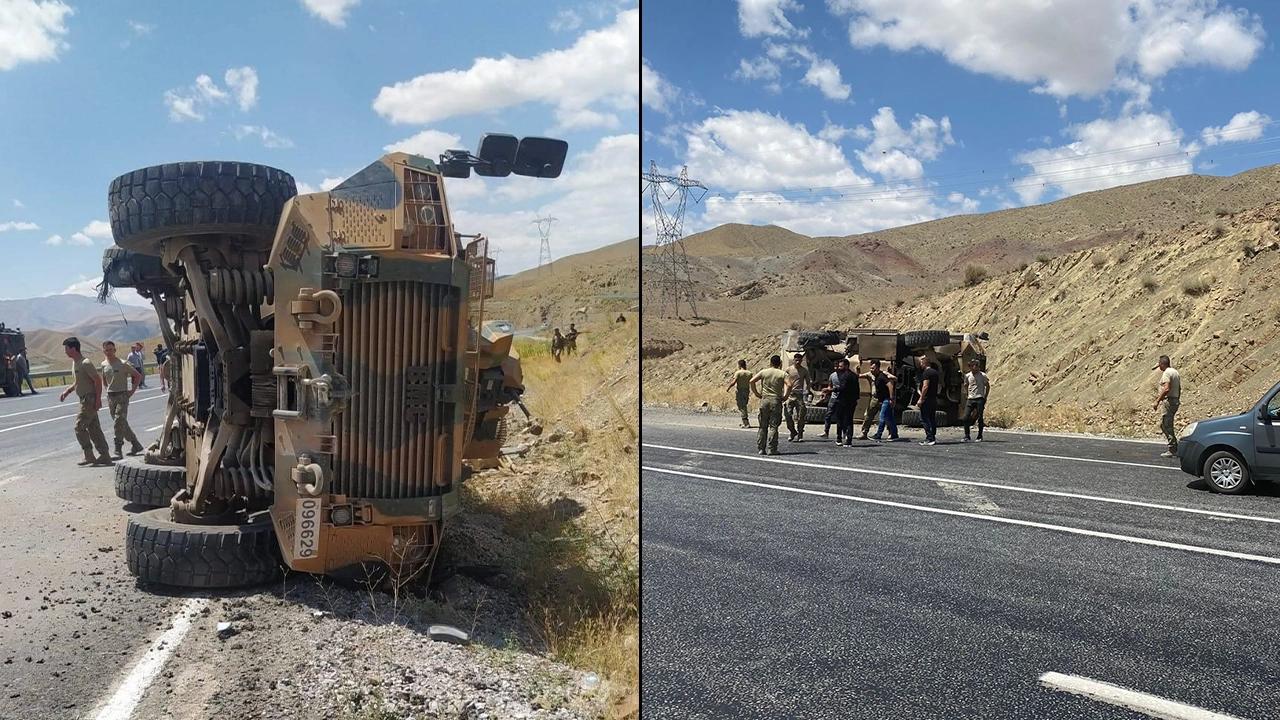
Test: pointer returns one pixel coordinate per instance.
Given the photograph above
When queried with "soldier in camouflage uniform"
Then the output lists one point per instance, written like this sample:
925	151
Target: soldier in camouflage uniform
776	387
795	410
742	381
122	380
87	385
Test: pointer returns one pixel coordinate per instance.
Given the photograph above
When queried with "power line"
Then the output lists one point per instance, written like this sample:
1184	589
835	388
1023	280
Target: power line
671	270
544	249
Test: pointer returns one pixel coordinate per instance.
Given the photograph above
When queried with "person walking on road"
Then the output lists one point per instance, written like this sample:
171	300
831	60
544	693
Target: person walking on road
976	390
122	381
795	410
881	384
844	398
23	366
1170	392
742	381
162	355
87	385
930	378
776	386
138	360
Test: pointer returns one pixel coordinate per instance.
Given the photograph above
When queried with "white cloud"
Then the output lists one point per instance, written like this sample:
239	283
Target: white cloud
824	75
428	143
896	153
7	226
76	239
584	118
821	73
330	183
827	216
333	12
18	203
97	229
88	286
140	28
1068	47
655	90
243	81
1242	126
767	17
602	66
567	20
967	204
1135	149
761	68
594	201
269	137
832	132
32	31
190	103
751	150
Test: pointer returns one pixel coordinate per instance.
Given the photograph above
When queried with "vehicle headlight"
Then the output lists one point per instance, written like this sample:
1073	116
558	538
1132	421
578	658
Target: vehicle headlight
1186	431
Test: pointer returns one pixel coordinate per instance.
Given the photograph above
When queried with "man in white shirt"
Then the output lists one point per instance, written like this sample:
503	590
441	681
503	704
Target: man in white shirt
976	390
136	359
1170	389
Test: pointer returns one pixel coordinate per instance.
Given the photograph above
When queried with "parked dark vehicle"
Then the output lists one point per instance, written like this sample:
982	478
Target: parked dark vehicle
12	342
1234	452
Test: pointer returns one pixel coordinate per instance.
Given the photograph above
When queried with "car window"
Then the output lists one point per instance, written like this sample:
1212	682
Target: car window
1273	407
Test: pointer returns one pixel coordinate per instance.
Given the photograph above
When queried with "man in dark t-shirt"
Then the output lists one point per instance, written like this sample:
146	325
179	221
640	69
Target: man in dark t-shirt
881	393
844	398
930	378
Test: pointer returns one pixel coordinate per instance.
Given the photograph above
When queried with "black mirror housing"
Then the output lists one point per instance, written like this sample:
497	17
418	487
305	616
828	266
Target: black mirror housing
540	157
497	154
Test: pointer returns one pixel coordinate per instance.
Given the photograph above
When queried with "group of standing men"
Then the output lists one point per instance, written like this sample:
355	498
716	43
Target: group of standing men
566	344
120	379
783	393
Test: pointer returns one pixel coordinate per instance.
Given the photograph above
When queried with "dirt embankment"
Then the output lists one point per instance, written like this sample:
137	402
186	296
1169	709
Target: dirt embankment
1074	337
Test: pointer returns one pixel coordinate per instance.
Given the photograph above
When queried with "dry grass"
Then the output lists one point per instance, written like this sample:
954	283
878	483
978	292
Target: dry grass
1149	282
581	567
1197	286
1043	258
1217	230
974	274
1099	261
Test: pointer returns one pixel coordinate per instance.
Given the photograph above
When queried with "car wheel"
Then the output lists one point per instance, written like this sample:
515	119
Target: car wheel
1225	472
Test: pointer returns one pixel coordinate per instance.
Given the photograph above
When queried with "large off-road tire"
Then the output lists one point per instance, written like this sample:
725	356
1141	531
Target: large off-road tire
1224	472
911	418
815	414
12	387
922	339
163	552
197	198
152	485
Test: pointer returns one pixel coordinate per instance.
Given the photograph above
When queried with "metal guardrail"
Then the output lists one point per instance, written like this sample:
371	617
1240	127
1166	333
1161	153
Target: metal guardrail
50	378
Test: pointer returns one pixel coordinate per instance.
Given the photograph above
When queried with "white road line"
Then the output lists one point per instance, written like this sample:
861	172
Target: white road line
153	429
989	518
1079	459
64	417
1012	488
54	407
129	692
1152	705
1072	436
11	478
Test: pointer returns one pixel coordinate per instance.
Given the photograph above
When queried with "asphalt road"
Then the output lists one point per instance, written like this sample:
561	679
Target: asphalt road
70	614
900	581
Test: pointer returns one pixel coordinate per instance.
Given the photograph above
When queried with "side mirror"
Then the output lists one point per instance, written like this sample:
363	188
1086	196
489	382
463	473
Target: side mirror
540	157
497	153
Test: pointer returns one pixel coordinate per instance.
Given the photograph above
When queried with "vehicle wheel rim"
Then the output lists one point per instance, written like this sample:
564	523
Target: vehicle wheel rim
1226	473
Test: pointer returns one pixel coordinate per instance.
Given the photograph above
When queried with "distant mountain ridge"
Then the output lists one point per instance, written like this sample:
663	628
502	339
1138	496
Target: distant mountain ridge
80	315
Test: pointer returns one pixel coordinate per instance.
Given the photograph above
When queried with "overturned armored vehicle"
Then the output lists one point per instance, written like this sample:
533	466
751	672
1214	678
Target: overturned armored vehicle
896	351
329	371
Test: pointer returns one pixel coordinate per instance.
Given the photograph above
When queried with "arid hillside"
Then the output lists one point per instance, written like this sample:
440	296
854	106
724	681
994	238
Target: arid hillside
604	280
1191	272
753	280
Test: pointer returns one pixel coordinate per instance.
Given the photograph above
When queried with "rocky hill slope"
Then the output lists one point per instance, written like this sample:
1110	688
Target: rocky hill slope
1186	267
605	280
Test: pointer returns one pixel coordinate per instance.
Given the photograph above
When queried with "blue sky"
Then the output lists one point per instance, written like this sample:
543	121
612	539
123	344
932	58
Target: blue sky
320	88
832	117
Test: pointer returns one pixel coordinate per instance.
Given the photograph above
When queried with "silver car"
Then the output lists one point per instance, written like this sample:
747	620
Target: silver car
1233	452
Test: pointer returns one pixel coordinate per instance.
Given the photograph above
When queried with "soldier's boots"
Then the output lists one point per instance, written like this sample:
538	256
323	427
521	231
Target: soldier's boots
91	460
118	454
136	449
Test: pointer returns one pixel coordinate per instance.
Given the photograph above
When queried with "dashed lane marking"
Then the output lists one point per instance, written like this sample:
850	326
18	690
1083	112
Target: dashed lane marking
1147	704
975	516
975	483
128	693
64	417
153	429
1092	460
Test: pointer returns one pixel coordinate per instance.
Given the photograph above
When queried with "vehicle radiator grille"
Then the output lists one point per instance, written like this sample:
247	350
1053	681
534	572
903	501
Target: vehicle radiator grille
396	348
